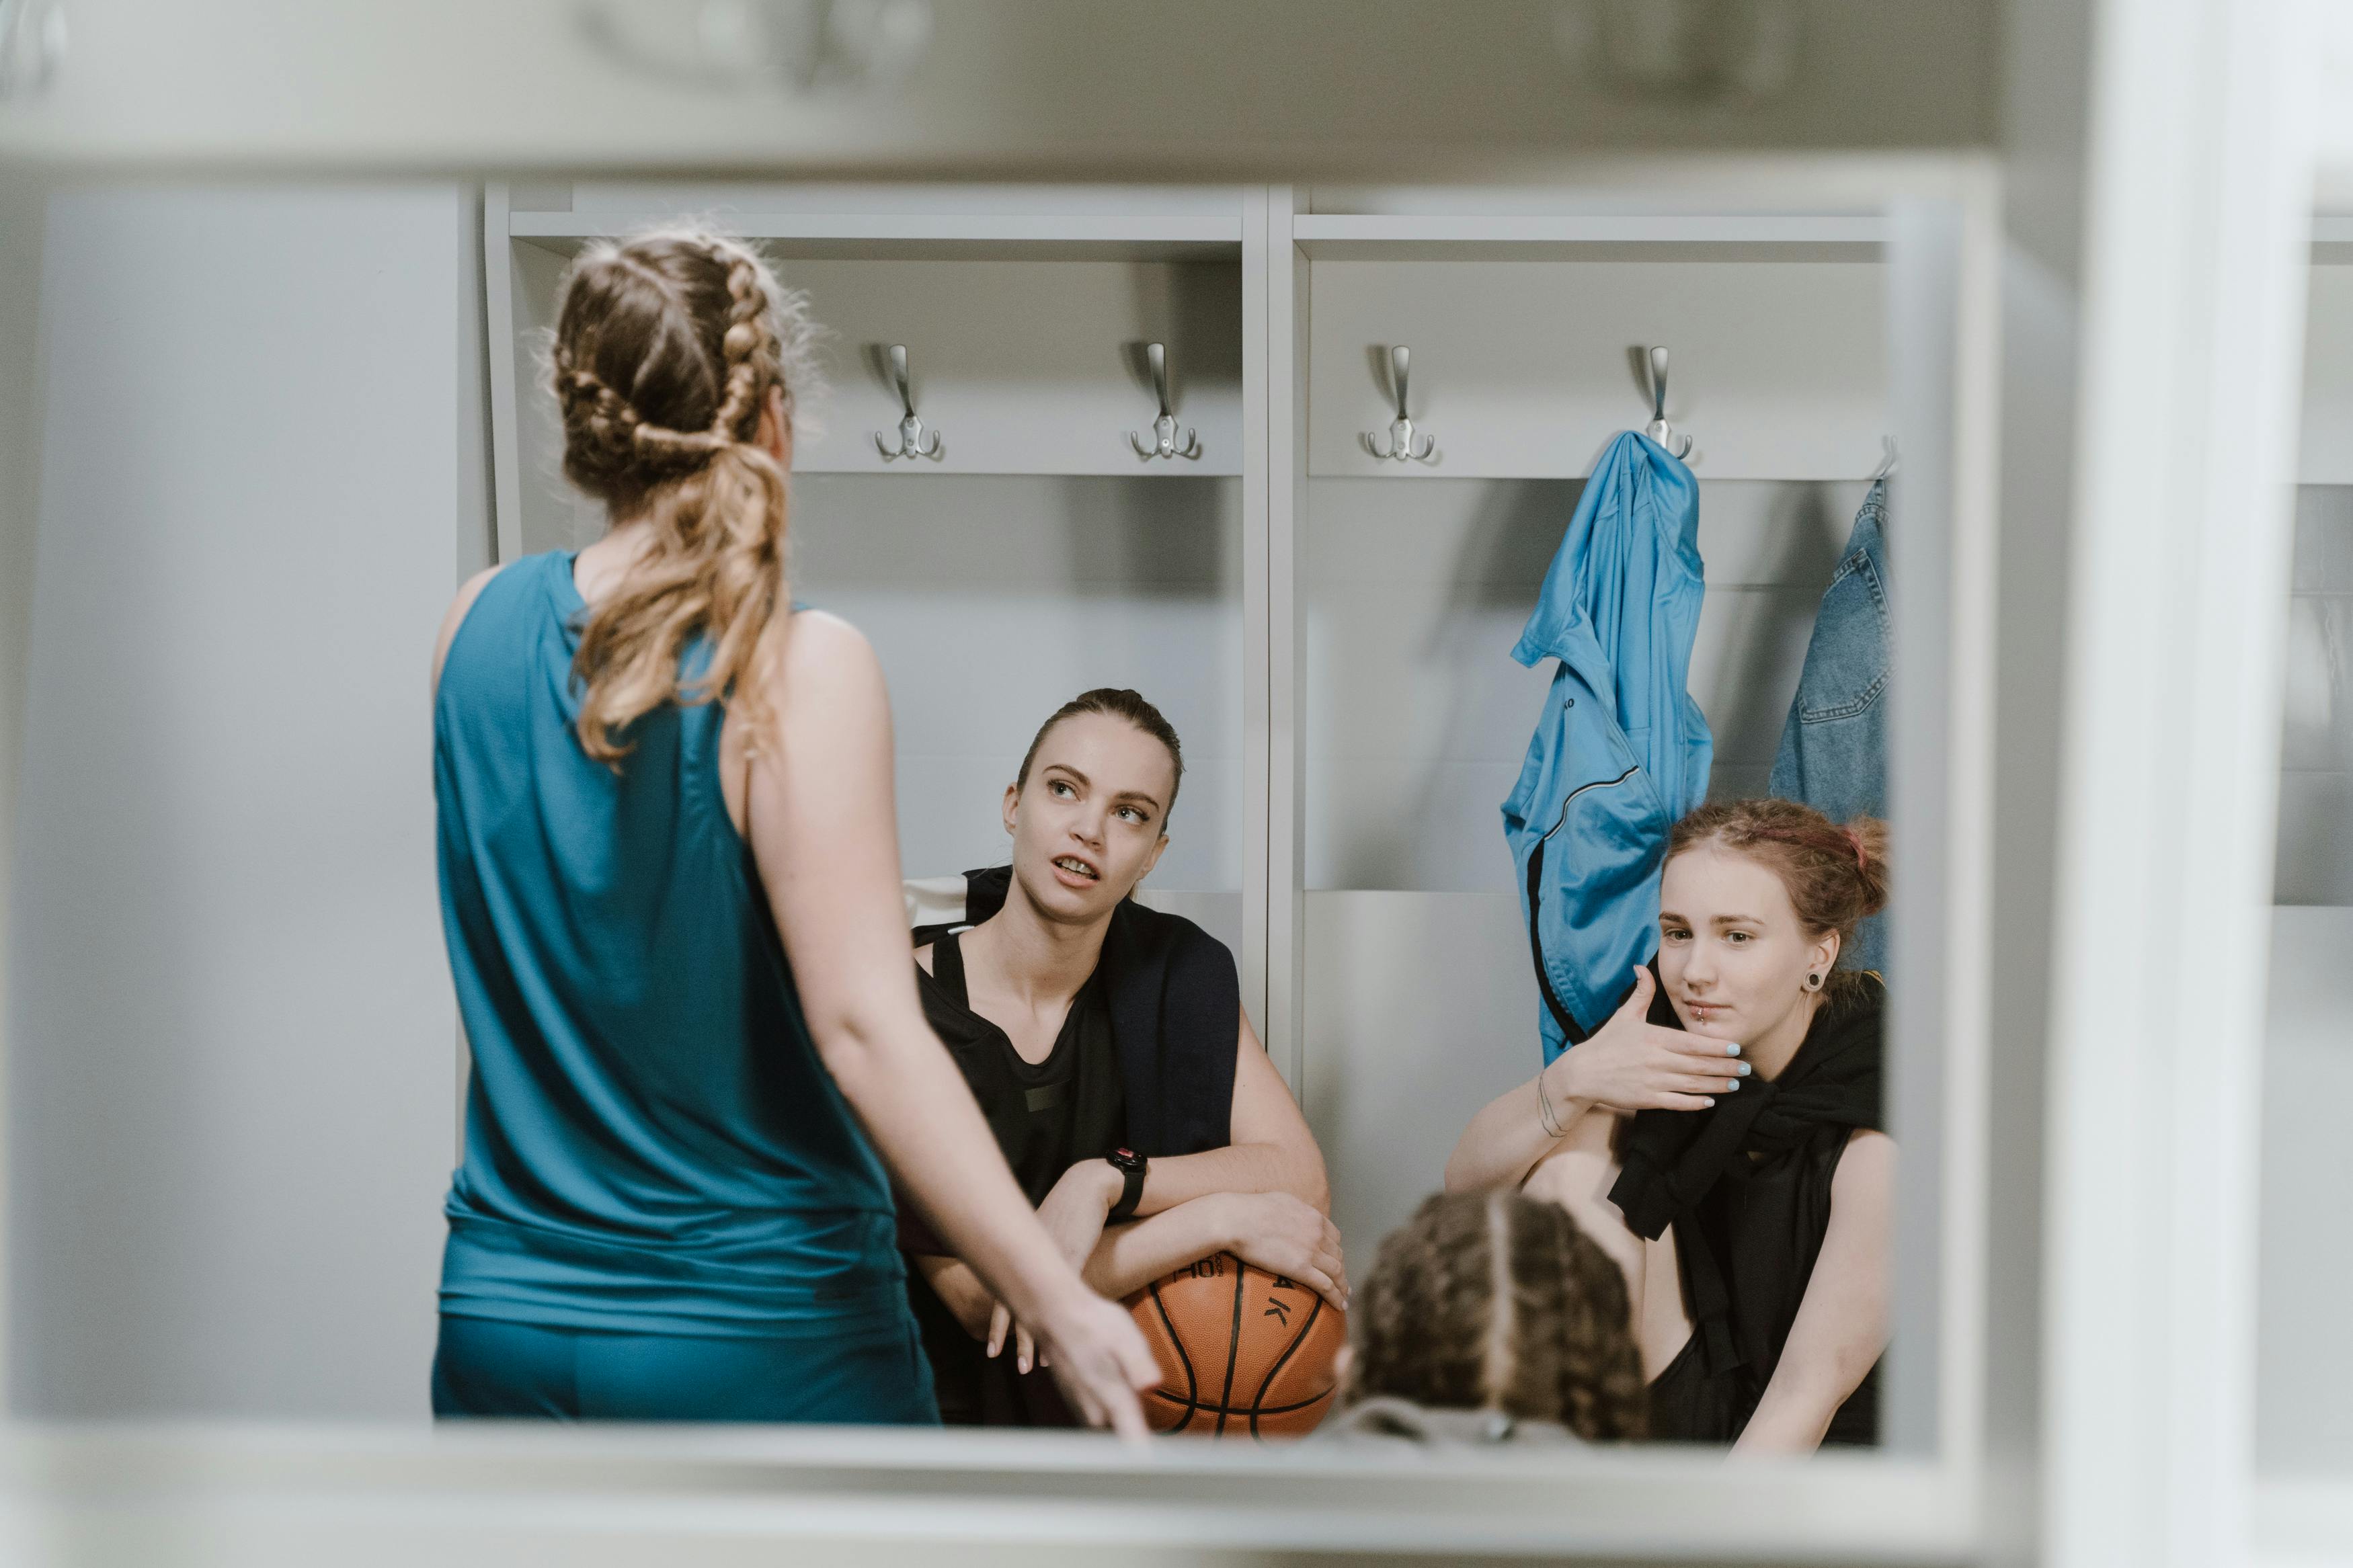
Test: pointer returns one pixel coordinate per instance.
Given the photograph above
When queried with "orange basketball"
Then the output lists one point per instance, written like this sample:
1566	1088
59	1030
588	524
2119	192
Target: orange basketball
1241	1351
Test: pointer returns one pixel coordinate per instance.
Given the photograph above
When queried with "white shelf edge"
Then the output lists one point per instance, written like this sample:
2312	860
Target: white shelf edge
1157	473
1401	473
944	228
1649	228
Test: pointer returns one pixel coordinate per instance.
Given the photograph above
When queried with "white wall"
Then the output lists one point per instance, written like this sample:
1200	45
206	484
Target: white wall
230	1016
992	600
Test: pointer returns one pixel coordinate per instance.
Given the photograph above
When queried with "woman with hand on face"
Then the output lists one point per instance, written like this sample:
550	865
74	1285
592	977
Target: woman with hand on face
669	878
1769	1219
1753	1219
1107	1047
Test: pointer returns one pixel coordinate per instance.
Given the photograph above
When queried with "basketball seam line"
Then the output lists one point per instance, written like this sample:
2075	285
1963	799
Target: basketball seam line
1315	1311
1233	1344
1192	1384
1268	1410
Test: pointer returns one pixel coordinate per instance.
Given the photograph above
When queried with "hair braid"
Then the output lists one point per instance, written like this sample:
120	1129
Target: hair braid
1469	1267
748	346
1598	1375
696	330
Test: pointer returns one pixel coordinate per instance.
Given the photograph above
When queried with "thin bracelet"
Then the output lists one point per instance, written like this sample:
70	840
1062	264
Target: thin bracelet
1551	1123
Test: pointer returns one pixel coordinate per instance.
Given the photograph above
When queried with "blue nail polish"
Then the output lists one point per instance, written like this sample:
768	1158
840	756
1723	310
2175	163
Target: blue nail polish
1730	1084
1732	1050
1745	1070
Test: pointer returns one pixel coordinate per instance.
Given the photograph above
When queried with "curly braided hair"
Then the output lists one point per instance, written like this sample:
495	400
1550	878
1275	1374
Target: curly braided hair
667	349
1497	1301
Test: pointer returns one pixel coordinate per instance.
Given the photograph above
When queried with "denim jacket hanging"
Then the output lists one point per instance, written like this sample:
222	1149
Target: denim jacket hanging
1620	750
1834	752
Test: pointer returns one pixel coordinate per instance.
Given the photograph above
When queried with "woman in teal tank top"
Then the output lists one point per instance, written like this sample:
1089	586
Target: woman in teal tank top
671	888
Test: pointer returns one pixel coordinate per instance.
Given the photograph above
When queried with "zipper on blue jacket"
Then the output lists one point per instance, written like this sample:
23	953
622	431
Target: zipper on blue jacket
1576	1036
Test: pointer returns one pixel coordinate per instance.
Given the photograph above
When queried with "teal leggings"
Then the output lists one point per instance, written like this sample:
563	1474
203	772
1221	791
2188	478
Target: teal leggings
870	1374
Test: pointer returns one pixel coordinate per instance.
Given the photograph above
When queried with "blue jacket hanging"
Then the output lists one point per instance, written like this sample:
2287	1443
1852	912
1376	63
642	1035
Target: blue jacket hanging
1621	751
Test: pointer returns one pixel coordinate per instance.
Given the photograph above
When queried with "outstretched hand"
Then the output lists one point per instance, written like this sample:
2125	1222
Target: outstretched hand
1101	1363
1630	1063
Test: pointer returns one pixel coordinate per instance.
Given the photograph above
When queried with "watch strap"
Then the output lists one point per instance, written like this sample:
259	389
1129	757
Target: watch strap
1131	1171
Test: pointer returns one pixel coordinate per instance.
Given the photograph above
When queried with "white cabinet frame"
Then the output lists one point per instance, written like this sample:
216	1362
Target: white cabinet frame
2188	383
1916	1502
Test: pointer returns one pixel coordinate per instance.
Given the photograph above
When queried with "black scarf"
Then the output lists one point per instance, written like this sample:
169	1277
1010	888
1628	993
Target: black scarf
1673	1160
1175	1018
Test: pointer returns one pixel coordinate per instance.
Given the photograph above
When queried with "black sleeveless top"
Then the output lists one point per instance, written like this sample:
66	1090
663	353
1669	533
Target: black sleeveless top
1747	1187
1047	1117
1146	1059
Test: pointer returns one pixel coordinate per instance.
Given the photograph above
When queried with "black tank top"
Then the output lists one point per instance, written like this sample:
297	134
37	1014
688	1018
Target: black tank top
1747	1187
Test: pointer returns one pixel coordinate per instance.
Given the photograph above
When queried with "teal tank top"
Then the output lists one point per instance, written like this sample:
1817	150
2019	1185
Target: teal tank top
652	1143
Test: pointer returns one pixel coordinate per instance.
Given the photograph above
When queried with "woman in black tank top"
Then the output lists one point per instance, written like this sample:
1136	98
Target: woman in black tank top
1088	1026
1751	1211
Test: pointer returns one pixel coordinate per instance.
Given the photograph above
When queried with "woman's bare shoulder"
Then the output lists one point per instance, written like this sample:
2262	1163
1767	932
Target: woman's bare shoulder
1868	1162
456	616
822	653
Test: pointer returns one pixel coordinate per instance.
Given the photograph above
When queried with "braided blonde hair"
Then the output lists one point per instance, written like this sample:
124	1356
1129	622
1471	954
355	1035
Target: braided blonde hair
666	348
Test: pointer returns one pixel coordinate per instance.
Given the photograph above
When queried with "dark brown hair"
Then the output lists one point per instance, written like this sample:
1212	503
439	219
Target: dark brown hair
1496	1302
1835	876
665	350
1120	702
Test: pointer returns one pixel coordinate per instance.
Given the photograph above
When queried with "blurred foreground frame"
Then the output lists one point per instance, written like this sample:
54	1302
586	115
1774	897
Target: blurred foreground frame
1004	89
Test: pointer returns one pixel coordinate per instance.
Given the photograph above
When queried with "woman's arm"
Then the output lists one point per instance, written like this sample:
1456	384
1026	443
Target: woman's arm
1510	1140
1628	1064
1273	1231
1272	1154
958	1289
1842	1324
823	828
1271	1150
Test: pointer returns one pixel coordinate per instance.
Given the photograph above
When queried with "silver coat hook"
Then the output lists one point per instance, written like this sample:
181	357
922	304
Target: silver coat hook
1659	430
1403	443
1888	460
1163	442
911	433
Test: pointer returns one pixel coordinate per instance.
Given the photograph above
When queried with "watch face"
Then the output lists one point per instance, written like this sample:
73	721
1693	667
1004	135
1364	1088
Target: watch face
1125	1159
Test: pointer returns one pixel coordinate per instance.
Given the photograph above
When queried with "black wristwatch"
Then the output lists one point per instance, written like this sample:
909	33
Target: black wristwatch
1131	1166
